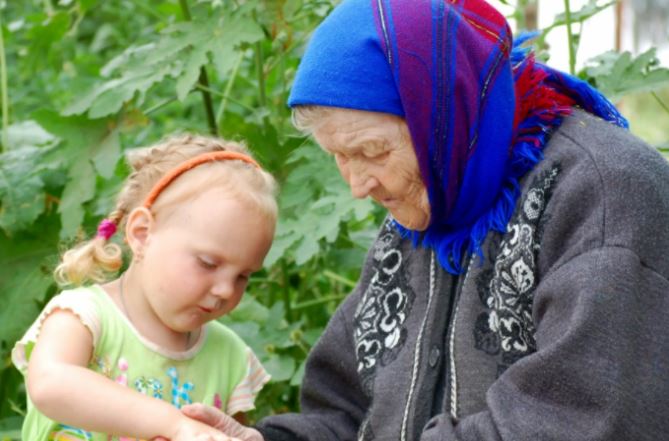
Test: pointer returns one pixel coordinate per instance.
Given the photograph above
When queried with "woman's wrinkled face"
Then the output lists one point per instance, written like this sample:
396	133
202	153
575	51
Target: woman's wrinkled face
376	158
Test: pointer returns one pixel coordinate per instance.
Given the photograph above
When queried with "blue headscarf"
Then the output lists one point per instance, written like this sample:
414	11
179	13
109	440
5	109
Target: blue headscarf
479	110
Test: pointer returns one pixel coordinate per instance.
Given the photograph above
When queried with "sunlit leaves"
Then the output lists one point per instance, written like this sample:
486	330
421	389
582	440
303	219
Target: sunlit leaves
21	189
21	183
315	204
179	53
84	143
618	74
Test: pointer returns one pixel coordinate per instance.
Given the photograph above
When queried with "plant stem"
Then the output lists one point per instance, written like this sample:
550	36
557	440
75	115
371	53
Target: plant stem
203	81
261	75
285	291
319	301
208	102
160	105
214	92
338	278
660	102
228	88
570	37
185	10
4	95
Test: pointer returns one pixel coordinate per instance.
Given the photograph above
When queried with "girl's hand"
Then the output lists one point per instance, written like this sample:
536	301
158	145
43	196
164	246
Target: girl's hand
219	420
187	429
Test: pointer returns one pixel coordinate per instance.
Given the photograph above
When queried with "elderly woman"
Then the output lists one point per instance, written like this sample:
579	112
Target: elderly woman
518	288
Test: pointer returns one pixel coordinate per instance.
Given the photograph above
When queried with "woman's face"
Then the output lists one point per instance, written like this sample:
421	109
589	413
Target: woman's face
376	158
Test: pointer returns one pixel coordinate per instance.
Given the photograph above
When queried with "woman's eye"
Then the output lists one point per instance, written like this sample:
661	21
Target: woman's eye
376	155
341	159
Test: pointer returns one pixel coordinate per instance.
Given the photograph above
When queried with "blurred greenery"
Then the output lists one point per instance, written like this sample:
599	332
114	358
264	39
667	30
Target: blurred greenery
83	81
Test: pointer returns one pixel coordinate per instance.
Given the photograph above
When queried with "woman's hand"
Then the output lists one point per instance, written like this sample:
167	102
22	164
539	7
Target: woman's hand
222	422
188	429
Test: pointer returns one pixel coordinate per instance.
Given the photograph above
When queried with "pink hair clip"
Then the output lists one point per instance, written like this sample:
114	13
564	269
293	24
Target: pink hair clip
106	229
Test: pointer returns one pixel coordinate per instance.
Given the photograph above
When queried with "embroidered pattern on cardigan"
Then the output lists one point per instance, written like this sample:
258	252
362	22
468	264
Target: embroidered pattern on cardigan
383	308
506	328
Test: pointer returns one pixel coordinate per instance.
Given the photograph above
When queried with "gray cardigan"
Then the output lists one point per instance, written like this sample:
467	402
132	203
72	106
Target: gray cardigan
561	333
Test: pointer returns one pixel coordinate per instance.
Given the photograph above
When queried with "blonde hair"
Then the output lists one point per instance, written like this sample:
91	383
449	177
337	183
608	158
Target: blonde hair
97	260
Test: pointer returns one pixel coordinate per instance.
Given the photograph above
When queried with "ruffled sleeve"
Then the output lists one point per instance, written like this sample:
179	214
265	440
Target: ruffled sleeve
80	302
244	394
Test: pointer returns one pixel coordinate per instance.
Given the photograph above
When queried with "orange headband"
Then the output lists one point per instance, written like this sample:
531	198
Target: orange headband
192	163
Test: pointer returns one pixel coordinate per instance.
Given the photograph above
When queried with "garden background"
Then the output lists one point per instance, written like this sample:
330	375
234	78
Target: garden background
82	81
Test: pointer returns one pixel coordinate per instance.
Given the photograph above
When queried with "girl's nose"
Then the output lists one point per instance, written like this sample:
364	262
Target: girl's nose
223	288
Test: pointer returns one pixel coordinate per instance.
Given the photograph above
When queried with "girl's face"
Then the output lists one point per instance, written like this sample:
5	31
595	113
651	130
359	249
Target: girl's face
194	264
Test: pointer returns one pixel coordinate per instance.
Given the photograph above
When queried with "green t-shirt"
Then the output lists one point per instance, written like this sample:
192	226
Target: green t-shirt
219	369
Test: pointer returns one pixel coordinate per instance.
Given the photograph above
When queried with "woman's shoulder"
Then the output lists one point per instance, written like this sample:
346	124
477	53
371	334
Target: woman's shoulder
586	143
602	187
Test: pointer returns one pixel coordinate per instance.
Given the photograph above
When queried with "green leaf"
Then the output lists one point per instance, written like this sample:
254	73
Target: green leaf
617	74
249	309
106	155
306	249
79	189
21	188
281	368
228	37
24	279
587	11
296	380
196	60
10	428
83	138
28	134
283	240
180	52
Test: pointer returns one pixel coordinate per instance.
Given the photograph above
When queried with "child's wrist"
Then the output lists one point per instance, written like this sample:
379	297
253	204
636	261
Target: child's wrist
175	420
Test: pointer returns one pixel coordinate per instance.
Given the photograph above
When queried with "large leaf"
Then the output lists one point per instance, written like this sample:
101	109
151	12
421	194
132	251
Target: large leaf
79	189
85	142
618	74
24	278
315	203
180	53
21	188
21	169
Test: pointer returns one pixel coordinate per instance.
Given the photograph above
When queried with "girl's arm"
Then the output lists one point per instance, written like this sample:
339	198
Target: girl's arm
62	387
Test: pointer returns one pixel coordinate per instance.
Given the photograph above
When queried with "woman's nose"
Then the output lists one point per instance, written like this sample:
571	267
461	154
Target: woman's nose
361	185
359	180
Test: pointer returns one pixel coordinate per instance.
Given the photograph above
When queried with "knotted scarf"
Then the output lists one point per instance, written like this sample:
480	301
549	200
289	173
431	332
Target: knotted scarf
479	108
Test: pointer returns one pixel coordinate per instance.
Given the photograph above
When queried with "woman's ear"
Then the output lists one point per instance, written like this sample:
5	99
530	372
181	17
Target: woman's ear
137	229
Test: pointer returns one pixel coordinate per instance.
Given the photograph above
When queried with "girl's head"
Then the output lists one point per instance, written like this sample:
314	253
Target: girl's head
223	185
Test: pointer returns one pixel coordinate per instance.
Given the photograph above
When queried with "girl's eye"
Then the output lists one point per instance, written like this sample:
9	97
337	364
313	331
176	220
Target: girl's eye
207	264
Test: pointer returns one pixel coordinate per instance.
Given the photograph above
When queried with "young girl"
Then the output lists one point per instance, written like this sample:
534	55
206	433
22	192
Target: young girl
117	360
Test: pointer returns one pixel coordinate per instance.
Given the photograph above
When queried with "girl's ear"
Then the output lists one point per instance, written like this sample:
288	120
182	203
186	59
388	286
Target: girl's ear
137	229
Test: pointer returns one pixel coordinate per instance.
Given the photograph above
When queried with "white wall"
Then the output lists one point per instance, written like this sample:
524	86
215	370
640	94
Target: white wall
597	35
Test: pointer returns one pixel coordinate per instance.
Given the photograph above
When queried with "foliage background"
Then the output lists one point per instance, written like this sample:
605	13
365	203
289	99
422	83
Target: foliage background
82	81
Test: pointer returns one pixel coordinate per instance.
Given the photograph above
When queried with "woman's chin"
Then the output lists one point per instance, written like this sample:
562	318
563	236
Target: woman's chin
416	221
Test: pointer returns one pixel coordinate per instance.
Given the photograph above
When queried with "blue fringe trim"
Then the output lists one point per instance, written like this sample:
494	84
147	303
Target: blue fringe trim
452	247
